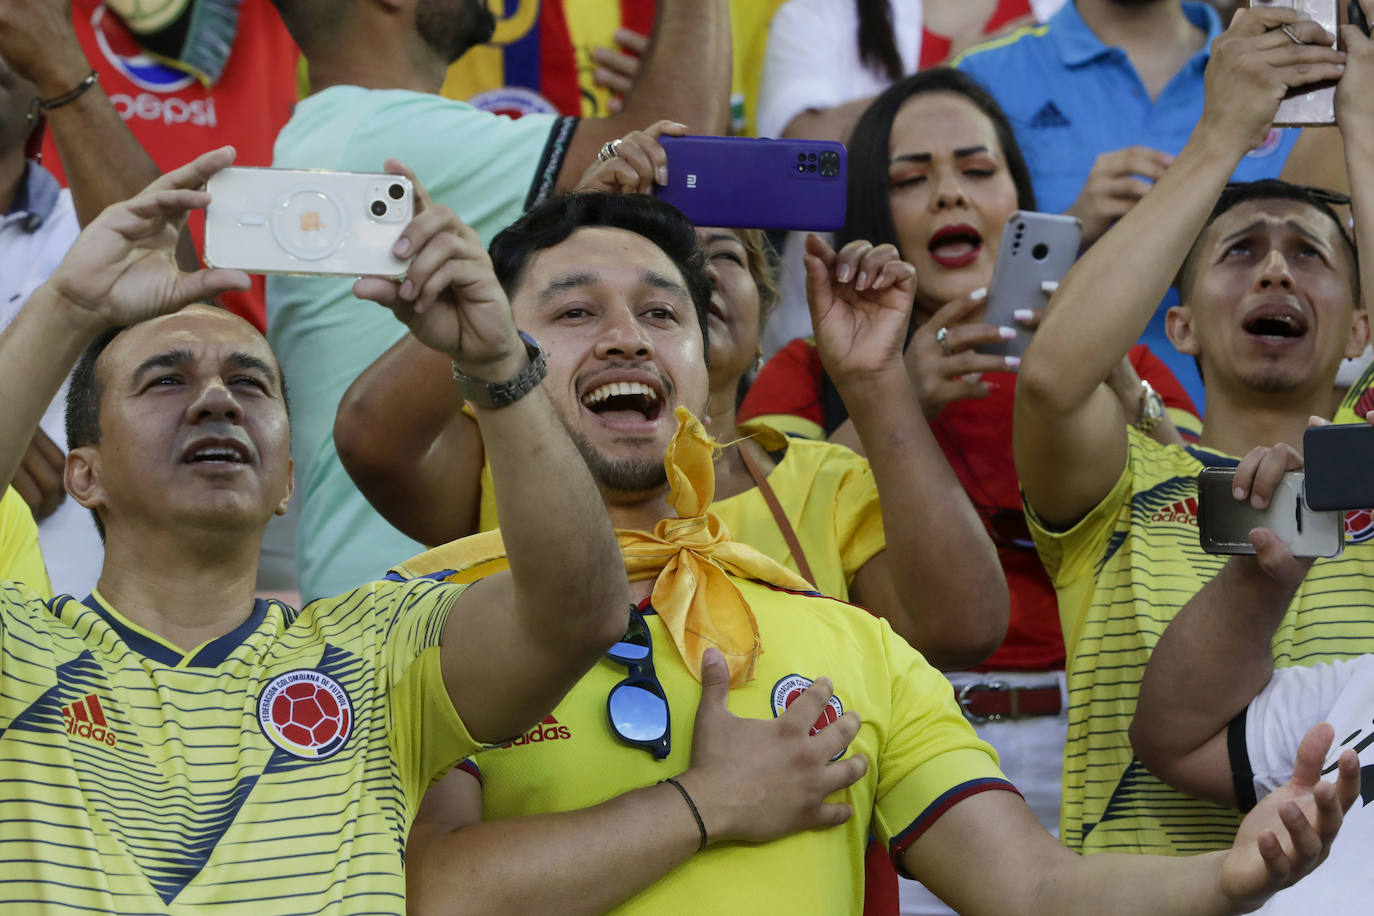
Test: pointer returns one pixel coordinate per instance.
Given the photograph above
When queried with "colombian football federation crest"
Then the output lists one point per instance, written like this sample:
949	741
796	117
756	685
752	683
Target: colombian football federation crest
306	713
788	689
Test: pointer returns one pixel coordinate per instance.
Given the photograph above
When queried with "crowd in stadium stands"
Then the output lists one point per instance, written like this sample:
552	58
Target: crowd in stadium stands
596	561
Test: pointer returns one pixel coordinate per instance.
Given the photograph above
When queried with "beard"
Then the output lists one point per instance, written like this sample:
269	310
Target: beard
621	475
1272	380
451	29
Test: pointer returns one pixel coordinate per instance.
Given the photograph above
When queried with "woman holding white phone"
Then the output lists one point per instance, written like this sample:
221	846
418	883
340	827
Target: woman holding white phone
934	168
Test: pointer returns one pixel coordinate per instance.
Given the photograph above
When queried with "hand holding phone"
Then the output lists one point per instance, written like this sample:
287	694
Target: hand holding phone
307	222
756	183
1225	522
1314	103
1036	249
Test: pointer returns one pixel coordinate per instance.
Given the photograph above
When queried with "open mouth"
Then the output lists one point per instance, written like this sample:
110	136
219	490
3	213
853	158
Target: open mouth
1285	323
955	246
624	401
218	453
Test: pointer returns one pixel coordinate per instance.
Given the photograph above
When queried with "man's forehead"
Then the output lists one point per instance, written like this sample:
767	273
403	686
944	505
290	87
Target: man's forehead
198	330
601	254
1267	212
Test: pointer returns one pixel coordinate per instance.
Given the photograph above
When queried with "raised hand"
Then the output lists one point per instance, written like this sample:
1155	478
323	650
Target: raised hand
618	68
947	372
38	43
639	162
760	779
1353	112
860	299
450	298
122	269
1254	64
1290	831
1117	181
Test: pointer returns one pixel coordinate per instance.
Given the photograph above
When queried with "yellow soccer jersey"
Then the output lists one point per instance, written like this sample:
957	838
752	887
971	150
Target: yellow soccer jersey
21	560
1121	575
1359	400
923	757
275	769
826	491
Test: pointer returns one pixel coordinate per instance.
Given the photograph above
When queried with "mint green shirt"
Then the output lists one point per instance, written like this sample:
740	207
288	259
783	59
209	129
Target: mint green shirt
489	169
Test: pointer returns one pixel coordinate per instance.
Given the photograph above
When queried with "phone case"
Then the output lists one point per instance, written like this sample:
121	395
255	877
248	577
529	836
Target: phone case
1314	104
307	222
753	183
1035	248
1340	466
1224	522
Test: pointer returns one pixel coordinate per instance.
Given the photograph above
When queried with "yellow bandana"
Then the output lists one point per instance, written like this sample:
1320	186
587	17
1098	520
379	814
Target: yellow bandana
690	557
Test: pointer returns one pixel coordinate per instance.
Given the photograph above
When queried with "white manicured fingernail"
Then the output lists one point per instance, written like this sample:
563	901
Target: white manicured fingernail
1238	492
1023	315
979	293
1006	333
843	273
1049	286
1013	361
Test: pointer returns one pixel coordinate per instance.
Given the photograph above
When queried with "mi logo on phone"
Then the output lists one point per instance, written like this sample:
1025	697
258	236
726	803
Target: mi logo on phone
691	182
310	221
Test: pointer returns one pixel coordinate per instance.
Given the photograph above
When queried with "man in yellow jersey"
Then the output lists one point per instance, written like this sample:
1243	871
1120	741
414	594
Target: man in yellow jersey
620	796
171	744
1269	283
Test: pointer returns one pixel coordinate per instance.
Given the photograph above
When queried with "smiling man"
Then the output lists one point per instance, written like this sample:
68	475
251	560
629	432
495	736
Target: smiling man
171	743
1269	290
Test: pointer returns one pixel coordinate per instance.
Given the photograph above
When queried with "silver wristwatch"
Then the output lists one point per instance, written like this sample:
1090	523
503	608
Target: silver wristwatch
1151	408
491	395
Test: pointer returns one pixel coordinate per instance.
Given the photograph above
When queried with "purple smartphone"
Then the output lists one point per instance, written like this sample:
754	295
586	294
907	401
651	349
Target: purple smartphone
749	183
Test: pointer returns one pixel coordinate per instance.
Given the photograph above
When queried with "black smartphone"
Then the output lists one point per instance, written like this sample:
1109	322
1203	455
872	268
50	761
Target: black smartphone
1224	522
1340	466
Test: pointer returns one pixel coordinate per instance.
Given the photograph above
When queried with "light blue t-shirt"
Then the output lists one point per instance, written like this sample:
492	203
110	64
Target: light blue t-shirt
489	169
1070	98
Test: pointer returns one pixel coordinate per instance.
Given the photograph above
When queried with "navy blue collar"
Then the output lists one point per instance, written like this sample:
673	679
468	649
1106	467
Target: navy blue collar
1211	459
209	655
1077	44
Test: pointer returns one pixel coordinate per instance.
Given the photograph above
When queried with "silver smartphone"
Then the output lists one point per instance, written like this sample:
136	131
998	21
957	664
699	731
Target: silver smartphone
1224	522
1035	248
307	222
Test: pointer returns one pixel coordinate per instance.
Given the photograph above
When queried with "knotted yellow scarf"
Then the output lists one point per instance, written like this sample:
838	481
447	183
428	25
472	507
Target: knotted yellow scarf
691	557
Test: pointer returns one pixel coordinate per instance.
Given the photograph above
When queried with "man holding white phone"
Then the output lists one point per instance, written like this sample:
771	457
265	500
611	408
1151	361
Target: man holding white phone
375	71
1268	282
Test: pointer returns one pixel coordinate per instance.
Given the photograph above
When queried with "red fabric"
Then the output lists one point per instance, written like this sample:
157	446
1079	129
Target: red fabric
558	61
976	439
880	882
177	119
935	48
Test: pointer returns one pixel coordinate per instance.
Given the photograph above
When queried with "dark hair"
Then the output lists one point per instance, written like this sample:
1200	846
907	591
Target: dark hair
1240	192
877	45
83	402
551	223
870	150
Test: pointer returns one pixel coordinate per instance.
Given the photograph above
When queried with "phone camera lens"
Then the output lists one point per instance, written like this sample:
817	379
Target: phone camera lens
1040	251
800	167
379	208
801	157
396	191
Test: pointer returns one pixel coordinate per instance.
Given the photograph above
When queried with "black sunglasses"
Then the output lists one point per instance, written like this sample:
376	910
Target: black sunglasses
637	706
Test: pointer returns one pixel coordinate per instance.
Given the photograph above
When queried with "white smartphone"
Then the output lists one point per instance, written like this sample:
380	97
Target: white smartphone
1035	247
1224	522
289	221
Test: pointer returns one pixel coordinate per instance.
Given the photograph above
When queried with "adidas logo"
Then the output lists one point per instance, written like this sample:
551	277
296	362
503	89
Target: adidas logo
1183	512
1049	116
548	730
85	719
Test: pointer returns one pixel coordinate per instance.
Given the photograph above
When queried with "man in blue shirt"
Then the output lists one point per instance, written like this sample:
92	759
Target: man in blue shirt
1101	98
